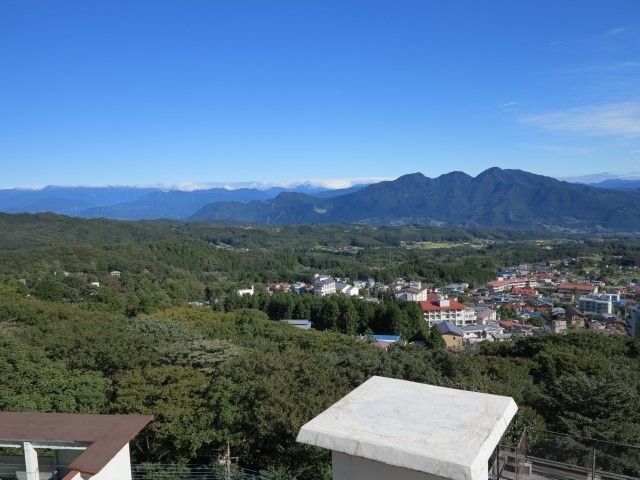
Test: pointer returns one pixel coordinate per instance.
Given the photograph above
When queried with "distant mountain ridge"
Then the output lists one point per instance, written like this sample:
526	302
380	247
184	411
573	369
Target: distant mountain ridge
66	200
618	184
496	198
138	203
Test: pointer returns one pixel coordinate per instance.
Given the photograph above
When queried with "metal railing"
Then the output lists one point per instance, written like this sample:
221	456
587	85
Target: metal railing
552	455
164	471
17	470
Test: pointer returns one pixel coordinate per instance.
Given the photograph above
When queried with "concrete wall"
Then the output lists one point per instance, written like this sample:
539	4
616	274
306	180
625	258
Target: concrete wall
347	467
119	468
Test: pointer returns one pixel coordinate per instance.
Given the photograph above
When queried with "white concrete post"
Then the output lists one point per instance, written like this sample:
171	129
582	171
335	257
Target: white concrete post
30	461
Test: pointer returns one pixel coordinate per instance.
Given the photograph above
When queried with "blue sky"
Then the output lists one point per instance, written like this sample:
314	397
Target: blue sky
109	92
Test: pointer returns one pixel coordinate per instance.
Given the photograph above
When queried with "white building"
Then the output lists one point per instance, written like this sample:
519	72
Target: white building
324	285
506	284
412	294
115	273
480	333
485	315
597	303
84	446
393	429
246	291
347	289
445	309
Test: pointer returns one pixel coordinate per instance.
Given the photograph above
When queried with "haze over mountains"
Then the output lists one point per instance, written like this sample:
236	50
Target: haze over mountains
138	203
496	198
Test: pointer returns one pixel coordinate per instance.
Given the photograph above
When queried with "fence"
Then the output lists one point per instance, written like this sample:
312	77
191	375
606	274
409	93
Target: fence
161	471
556	455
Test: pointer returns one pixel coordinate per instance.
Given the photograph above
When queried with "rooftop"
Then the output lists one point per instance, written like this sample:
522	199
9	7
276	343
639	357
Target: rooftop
103	435
440	431
434	306
449	328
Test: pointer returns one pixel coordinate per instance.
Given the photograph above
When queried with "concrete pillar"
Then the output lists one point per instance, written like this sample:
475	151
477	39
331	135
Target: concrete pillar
31	461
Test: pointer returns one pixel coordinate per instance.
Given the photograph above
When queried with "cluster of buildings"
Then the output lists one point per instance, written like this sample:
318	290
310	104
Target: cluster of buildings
532	298
533	301
326	285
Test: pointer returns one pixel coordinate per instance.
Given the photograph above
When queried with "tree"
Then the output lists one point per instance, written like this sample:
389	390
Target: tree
176	397
30	381
435	341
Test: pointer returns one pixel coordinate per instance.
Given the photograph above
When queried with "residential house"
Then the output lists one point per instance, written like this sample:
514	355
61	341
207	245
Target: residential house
347	289
513	326
452	334
557	326
324	285
412	294
485	315
480	333
575	318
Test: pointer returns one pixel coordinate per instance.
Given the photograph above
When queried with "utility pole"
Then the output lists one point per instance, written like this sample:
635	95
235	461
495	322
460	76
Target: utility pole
228	460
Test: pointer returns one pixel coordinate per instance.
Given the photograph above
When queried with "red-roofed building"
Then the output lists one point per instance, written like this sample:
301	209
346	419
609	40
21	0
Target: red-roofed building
525	292
445	309
514	325
505	285
581	288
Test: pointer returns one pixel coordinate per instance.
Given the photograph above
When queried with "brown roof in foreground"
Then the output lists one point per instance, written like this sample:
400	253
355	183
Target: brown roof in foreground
105	434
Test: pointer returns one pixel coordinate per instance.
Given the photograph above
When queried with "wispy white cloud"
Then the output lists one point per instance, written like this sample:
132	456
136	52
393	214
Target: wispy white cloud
615	31
508	105
563	149
331	183
616	119
610	67
591	38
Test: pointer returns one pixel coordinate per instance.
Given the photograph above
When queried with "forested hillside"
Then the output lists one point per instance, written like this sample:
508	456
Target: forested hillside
212	377
228	372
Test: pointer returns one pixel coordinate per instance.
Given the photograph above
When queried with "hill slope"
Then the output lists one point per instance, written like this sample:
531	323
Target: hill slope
496	198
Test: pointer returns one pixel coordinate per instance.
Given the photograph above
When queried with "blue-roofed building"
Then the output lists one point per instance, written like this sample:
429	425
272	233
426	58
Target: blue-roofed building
382	341
385	338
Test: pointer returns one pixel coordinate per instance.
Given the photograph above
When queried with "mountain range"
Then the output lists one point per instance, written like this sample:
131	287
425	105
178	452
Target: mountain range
133	203
618	184
496	198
